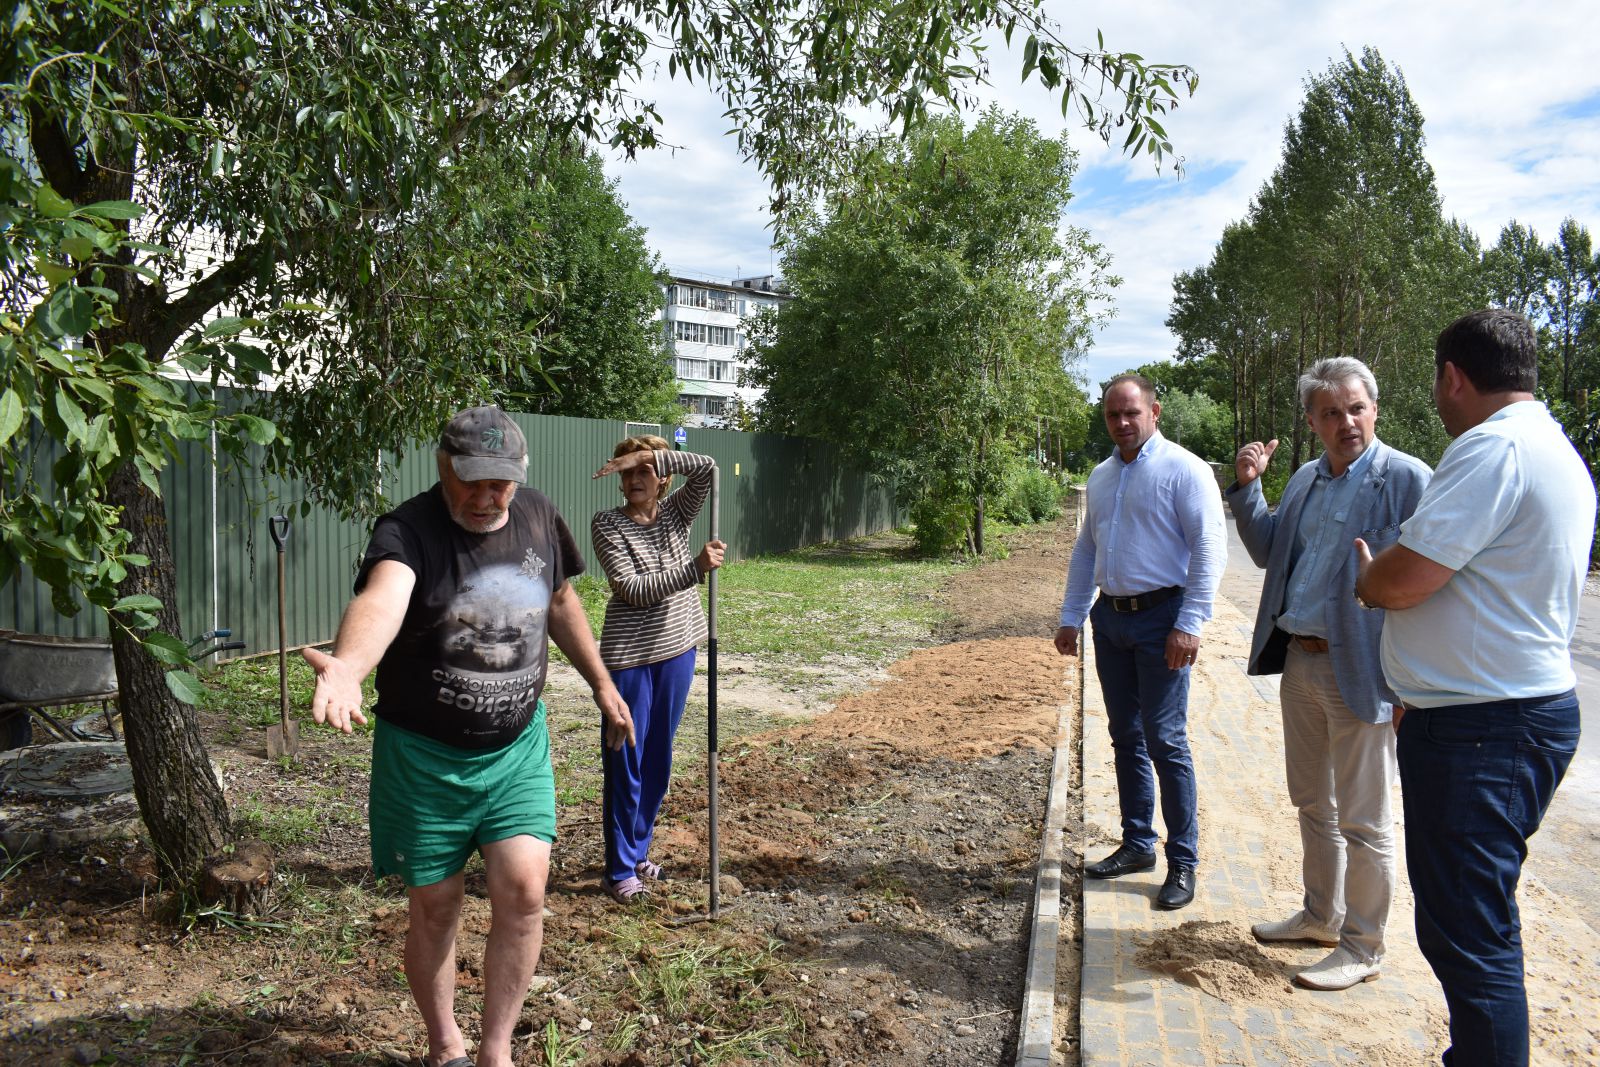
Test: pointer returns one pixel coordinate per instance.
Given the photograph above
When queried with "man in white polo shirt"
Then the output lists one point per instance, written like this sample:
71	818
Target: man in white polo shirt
1482	591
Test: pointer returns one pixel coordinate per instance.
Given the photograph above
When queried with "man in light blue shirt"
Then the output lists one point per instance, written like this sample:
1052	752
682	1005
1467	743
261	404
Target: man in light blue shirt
1337	743
1482	591
1153	543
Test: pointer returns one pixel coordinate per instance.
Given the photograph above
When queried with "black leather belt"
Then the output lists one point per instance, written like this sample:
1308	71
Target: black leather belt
1126	604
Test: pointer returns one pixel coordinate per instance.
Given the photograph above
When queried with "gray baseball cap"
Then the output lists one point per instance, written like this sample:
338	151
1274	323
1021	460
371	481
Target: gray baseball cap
484	445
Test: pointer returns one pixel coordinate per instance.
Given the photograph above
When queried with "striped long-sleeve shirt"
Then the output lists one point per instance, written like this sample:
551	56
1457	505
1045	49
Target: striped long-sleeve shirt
654	612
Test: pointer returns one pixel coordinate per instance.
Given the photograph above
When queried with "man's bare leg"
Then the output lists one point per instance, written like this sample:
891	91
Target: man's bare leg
431	964
517	869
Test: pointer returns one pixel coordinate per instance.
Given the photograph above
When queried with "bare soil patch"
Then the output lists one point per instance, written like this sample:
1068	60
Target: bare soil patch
881	855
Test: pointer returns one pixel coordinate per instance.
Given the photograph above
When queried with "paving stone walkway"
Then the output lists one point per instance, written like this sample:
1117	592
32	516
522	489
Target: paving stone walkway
1249	872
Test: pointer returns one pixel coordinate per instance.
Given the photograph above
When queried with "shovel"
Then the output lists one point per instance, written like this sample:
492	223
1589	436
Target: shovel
284	738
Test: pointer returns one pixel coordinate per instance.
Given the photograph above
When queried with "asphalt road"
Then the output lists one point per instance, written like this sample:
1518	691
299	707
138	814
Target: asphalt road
1565	853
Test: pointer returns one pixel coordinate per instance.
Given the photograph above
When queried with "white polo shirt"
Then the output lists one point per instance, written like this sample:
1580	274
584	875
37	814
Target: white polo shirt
1511	510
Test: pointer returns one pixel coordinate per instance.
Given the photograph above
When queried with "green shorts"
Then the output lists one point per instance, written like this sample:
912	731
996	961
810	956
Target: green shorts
431	804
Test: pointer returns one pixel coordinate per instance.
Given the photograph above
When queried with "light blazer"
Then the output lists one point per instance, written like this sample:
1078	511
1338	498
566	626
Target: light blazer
1388	495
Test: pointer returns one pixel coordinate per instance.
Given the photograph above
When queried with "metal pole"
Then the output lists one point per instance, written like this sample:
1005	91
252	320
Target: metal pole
711	704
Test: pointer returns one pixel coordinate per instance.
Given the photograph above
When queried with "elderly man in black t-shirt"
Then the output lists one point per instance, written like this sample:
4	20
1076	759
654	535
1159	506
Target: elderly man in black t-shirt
457	593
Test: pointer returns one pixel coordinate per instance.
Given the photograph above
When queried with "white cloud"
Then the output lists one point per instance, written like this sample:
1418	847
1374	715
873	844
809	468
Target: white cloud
1511	99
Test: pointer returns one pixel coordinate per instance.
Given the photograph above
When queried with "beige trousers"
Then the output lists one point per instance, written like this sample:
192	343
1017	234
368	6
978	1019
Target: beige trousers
1341	771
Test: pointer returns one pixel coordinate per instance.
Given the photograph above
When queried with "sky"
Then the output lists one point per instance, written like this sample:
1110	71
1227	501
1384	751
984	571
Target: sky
1511	103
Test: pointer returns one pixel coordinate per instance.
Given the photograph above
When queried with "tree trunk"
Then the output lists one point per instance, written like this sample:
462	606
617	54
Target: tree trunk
240	879
179	795
1300	368
977	526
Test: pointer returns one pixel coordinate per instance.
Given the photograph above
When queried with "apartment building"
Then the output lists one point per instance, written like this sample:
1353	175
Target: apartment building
706	323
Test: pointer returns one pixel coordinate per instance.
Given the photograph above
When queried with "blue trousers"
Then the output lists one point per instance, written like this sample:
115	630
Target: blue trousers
1147	706
1476	779
636	778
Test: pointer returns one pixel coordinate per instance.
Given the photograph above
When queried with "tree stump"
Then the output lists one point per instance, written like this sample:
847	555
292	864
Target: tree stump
239	880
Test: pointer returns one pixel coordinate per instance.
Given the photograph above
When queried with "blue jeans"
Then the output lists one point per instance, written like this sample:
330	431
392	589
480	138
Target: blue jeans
1476	779
1148	709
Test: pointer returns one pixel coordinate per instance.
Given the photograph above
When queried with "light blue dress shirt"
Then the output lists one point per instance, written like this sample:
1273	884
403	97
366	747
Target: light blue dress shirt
1317	544
1151	523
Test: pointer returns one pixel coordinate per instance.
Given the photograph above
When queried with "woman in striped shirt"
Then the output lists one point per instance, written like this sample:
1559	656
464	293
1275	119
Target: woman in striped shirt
653	623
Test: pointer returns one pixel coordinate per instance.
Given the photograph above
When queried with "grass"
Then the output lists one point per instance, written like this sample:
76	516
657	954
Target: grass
867	599
705	994
333	924
278	826
246	691
558	1051
888	886
10	864
715	997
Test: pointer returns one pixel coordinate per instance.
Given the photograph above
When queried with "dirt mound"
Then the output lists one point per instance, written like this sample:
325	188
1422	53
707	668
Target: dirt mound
961	701
1216	958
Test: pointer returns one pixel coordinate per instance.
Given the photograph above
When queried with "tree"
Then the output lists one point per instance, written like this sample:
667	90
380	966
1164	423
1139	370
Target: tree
587	339
305	167
1574	287
1345	251
1190	414
927	331
1198	423
1517	271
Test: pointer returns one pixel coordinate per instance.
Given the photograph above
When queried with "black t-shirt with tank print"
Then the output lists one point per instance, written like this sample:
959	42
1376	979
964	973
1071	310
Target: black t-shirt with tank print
468	664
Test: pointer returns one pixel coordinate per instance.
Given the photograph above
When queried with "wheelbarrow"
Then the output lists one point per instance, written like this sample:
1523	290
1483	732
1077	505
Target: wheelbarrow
41	671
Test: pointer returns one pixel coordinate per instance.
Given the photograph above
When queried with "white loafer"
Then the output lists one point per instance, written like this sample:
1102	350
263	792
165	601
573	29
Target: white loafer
1297	927
1340	970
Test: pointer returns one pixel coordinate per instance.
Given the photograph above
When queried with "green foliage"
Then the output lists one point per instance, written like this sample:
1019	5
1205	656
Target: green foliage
362	175
1198	423
1275	481
1344	252
931	336
278	826
65	378
1517	270
573	323
558	1051
728	990
940	524
1572	306
1031	495
9	864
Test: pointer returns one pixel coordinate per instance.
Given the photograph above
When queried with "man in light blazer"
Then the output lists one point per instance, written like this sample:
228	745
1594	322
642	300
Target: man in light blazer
1339	747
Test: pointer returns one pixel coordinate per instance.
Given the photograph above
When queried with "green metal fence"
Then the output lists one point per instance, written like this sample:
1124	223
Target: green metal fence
777	494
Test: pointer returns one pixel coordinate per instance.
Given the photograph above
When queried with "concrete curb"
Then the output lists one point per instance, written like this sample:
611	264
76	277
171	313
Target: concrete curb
1036	1027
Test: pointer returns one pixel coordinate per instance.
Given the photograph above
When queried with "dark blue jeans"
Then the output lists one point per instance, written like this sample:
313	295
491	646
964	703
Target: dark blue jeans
1476	779
1148	709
